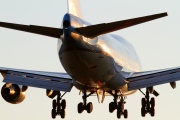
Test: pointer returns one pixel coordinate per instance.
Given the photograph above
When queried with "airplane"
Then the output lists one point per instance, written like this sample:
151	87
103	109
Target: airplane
97	63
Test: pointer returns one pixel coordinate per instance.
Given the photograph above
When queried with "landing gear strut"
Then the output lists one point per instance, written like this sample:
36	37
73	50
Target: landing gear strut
58	106
148	105
118	105
83	105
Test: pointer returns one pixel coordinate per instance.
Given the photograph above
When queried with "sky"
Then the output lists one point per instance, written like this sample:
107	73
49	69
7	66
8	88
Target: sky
157	44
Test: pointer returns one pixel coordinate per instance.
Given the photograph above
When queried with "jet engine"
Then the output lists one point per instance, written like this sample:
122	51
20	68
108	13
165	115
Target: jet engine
51	93
13	94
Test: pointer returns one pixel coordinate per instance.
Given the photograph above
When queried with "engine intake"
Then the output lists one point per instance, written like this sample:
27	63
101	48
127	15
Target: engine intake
13	94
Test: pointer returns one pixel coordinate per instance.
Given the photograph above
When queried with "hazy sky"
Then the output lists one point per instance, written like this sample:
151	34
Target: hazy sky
156	42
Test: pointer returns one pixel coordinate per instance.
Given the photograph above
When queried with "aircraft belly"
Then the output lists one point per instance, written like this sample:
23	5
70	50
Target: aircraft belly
92	70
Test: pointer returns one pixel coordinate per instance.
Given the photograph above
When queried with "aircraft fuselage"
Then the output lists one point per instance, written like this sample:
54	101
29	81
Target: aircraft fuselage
103	62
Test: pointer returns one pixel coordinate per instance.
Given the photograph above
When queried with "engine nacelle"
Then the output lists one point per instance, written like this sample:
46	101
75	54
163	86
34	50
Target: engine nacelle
13	94
51	93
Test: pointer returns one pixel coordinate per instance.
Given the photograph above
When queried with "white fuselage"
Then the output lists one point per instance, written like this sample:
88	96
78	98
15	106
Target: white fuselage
100	63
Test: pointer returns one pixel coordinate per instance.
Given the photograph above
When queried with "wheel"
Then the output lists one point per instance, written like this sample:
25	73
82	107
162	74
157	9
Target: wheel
80	107
143	112
152	102
152	111
143	102
89	107
63	104
54	104
112	106
125	113
53	113
118	114
63	113
121	106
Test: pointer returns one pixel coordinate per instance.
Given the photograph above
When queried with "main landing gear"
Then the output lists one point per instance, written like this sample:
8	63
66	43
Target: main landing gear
118	105
83	105
58	106
148	105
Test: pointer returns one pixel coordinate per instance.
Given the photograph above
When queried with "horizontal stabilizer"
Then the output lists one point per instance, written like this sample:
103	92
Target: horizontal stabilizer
99	29
47	31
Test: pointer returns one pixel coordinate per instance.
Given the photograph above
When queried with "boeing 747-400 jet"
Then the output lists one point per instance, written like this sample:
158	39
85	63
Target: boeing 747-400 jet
96	62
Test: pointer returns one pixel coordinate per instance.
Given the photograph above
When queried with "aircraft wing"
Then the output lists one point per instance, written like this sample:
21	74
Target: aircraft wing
39	79
152	78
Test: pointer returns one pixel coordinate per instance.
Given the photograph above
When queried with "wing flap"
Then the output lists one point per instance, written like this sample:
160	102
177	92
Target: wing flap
47	31
153	78
99	29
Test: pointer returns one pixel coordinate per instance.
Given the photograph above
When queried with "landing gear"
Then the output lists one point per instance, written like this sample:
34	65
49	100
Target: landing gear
53	113
125	114
120	109
58	106
112	106
118	105
148	105
80	107
84	106
89	107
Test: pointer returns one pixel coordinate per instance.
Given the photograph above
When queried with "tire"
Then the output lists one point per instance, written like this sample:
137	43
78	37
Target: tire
63	104
143	112
152	102
89	107
112	107
125	114
118	114
143	102
121	106
63	113
80	107
54	104
152	112
53	113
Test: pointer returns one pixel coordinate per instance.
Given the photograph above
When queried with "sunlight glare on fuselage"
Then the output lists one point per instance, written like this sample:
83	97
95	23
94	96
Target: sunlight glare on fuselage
105	48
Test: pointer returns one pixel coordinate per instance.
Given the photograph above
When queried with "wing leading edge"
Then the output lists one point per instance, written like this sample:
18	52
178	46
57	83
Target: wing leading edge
152	78
39	79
